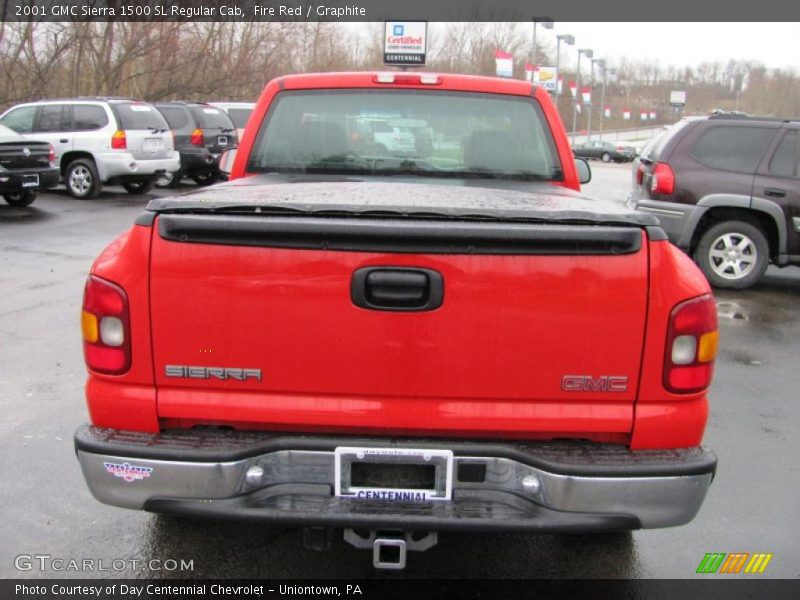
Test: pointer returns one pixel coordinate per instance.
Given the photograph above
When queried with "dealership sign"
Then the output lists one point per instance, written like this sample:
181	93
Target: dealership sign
677	98
404	42
545	77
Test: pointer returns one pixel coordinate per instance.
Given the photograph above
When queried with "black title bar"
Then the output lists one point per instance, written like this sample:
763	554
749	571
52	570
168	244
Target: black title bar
381	10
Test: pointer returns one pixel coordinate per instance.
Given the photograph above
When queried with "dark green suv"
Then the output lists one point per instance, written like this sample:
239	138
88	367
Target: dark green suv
726	189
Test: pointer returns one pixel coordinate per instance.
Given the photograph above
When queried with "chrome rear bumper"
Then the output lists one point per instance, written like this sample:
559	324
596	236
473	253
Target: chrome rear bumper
543	487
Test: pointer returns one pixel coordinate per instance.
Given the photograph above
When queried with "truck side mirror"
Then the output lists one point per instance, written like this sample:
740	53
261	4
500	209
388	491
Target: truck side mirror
226	161
582	166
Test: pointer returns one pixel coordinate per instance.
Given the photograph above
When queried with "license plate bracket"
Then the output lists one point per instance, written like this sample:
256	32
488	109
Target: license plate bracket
31	180
393	474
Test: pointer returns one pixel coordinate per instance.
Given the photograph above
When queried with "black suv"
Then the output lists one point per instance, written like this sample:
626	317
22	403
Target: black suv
202	132
726	188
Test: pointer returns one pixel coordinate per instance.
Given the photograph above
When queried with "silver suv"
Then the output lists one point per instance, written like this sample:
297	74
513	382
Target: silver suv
99	141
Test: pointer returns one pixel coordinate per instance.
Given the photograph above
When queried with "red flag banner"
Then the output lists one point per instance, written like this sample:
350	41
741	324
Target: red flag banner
504	63
529	69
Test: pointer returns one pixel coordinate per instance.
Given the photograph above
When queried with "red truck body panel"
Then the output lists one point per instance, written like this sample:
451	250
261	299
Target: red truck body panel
664	419
128	401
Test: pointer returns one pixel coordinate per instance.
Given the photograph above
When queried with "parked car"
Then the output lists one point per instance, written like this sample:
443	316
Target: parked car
239	113
726	188
636	145
201	133
401	346
606	151
25	167
99	141
390	138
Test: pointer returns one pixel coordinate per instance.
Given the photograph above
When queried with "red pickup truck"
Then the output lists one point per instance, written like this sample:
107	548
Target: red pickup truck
399	341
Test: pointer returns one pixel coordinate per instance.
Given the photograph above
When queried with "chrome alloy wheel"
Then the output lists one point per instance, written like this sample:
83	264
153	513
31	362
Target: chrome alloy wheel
165	179
733	256
80	180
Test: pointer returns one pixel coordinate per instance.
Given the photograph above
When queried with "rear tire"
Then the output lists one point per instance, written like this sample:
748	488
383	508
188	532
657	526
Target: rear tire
82	180
24	198
169	179
606	157
138	187
205	177
733	254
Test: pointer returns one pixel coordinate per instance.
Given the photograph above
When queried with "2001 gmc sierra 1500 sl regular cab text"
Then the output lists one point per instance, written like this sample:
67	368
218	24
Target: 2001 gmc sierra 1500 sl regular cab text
398	345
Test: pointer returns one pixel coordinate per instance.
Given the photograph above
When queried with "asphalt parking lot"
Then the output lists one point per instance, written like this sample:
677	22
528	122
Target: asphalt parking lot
46	252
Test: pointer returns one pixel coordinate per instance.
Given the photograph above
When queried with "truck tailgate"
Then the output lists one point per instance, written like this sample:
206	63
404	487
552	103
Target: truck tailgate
539	332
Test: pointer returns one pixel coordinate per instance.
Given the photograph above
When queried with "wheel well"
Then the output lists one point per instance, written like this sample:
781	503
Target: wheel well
725	213
68	157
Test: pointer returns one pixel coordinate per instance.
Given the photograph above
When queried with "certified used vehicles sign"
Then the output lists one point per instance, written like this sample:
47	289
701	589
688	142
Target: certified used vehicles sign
404	42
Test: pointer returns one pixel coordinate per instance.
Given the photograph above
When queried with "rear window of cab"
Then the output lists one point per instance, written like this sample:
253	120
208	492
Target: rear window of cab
402	131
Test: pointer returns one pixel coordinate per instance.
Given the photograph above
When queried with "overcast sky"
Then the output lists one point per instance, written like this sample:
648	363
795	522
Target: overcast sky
777	45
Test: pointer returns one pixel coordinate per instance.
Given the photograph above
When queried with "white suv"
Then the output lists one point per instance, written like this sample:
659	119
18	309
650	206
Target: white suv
99	141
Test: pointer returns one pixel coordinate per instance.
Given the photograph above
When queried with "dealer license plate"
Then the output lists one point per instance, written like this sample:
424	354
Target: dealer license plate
153	144
30	180
393	474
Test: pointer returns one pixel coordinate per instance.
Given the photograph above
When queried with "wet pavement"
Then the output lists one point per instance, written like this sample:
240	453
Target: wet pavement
45	253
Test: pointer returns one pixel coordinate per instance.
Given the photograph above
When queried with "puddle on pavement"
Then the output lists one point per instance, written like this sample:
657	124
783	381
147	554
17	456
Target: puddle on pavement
732	310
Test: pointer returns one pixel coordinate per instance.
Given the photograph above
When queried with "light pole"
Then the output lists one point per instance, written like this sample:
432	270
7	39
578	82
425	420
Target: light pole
602	63
606	72
588	54
547	24
569	40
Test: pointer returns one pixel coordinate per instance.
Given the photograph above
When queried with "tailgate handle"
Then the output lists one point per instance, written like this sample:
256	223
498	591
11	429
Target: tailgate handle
397	289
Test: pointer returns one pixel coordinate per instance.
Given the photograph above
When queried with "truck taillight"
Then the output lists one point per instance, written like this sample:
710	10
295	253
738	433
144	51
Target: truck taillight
52	157
196	138
118	140
692	340
663	181
105	323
